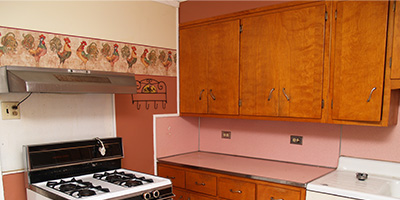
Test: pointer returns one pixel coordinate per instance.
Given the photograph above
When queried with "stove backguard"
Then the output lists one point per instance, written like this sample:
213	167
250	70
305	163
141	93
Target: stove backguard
66	159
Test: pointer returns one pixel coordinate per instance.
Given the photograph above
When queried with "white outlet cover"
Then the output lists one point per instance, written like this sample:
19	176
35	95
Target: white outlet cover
7	112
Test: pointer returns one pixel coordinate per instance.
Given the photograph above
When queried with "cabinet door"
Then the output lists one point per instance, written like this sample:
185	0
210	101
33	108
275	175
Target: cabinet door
301	53
359	60
176	176
194	196
180	194
269	192
396	46
259	66
193	61
223	67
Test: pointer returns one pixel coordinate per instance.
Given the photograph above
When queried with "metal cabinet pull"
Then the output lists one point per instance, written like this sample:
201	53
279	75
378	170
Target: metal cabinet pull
272	198
236	191
370	94
212	95
202	184
284	93
270	94
201	94
171	177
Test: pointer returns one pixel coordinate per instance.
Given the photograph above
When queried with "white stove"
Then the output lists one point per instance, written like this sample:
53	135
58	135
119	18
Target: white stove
76	171
357	178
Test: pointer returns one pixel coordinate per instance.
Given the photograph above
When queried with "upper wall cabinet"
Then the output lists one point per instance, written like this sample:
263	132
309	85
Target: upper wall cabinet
209	76
359	48
324	61
281	63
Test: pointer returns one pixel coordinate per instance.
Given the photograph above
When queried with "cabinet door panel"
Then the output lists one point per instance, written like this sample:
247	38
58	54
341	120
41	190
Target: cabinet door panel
301	51
193	70
223	68
177	176
359	60
259	66
396	46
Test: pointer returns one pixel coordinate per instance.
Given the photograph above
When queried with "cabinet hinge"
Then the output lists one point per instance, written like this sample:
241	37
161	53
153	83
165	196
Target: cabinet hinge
322	104
335	14
326	16
241	28
240	103
332	104
390	62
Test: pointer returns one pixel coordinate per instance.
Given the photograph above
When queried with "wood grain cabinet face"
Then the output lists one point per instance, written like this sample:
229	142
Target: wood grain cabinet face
359	49
275	193
236	190
209	68
177	176
200	182
282	61
395	73
180	194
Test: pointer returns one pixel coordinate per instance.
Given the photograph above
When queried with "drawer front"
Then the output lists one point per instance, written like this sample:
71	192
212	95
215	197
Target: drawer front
236	190
177	176
199	182
277	193
180	194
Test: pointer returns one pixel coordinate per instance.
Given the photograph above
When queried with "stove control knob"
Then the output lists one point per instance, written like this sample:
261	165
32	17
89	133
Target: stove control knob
146	196
156	193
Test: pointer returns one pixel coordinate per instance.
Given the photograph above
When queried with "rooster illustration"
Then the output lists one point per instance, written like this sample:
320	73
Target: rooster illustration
91	54
56	46
9	44
40	50
133	58
114	56
167	62
144	59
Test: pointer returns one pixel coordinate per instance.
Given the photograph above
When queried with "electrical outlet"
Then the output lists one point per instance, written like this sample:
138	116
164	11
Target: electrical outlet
226	134
296	140
9	112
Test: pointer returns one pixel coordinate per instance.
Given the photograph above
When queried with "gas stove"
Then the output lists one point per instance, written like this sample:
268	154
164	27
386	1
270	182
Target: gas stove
88	170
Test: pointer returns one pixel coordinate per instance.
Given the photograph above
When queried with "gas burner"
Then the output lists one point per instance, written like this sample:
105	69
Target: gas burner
76	188
122	178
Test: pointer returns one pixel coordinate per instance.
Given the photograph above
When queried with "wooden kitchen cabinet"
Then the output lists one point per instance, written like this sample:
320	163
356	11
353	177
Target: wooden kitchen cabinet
359	52
228	187
209	72
176	176
395	72
281	63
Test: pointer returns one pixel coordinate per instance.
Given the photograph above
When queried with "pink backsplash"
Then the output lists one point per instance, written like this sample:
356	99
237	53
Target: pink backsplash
270	140
176	135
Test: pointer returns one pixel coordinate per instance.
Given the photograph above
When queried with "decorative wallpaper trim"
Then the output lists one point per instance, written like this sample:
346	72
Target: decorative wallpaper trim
43	49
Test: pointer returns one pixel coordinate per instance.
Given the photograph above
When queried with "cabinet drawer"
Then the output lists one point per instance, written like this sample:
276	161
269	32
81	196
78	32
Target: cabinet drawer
236	190
177	176
200	182
269	192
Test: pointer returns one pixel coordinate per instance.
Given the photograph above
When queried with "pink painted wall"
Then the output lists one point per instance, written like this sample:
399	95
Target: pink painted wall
176	135
372	142
271	140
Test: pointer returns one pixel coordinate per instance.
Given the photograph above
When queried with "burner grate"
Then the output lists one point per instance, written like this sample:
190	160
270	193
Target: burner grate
123	179
76	188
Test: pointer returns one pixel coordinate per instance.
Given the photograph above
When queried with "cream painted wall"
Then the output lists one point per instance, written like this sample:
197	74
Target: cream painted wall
142	22
51	117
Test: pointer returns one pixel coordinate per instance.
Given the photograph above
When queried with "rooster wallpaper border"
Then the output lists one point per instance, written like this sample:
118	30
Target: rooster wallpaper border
30	48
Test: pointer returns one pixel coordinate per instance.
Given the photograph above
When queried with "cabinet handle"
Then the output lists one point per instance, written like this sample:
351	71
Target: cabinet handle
202	184
272	198
171	177
181	197
236	191
287	97
370	94
270	94
212	95
201	94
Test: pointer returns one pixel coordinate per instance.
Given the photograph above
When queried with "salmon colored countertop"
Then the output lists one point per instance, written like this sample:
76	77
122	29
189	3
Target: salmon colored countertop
266	170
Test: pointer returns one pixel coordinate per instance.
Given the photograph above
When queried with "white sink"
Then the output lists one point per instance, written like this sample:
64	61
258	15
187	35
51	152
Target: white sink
383	182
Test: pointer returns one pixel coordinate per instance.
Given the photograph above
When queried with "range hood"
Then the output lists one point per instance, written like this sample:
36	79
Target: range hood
16	79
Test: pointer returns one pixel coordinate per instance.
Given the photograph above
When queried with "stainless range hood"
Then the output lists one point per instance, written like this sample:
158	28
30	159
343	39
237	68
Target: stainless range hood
16	79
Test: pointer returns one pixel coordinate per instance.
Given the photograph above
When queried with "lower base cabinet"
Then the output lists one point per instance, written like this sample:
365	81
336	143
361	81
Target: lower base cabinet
204	185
